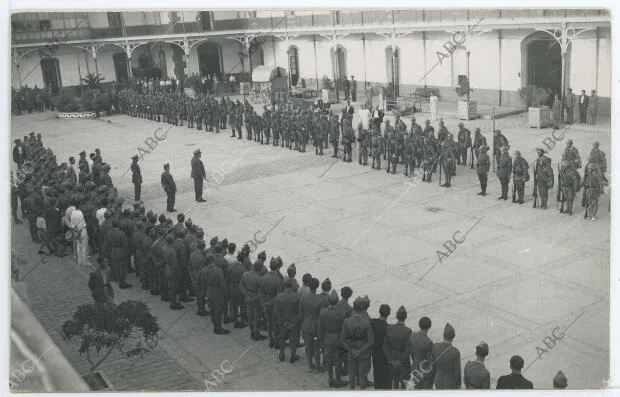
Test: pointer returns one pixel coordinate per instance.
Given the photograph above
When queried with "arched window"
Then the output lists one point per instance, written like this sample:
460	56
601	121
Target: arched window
144	61
51	74
293	64
162	63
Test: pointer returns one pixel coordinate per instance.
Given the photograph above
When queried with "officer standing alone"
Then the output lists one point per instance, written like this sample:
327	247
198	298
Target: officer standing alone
198	175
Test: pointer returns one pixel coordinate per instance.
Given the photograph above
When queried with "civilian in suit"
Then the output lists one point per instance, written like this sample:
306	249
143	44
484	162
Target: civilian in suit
380	368
569	105
99	283
198	175
593	106
420	349
377	117
475	375
584	101
349	109
446	361
396	350
515	380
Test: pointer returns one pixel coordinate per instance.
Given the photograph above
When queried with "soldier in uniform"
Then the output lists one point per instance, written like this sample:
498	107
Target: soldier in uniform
429	131
267	121
347	141
249	285
199	112
544	179
237	301
504	169
172	272
448	159
309	309
211	278
362	157
167	181
118	253
571	184
475	375
329	328
270	286
499	141
464	138
592	189
376	151
446	361
483	166
238	118
198	175
286	317
197	261
357	339
409	158
249	123
395	347
335	132
443	132
479	141
317	139
571	154
136	177
520	175
429	159
420	350
597	156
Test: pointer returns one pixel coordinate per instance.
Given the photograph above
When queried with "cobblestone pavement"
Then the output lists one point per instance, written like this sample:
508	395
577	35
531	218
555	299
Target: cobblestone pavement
519	274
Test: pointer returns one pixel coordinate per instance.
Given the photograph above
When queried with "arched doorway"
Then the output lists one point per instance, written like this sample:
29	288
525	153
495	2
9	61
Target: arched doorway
210	59
257	58
542	63
339	66
392	64
51	74
121	67
144	61
293	64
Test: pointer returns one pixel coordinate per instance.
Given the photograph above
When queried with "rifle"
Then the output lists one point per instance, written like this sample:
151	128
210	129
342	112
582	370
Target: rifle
471	152
514	190
439	170
535	189
559	196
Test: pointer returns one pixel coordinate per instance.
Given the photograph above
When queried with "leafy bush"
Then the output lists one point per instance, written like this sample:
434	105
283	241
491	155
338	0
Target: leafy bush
327	83
101	329
93	81
534	96
65	102
463	89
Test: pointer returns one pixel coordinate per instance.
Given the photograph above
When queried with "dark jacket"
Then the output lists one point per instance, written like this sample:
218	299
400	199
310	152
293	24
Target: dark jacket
513	381
99	287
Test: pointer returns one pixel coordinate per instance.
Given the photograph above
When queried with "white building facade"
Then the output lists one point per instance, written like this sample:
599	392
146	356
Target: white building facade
499	50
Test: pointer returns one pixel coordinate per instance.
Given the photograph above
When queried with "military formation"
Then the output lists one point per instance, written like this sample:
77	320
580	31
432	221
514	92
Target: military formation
65	208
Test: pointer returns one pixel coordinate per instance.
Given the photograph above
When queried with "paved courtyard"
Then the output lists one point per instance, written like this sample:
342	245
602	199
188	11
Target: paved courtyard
519	274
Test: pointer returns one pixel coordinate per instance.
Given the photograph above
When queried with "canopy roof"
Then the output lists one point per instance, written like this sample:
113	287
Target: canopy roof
267	73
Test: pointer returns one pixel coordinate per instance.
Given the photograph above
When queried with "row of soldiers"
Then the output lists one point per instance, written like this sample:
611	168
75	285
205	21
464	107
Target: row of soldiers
31	99
172	260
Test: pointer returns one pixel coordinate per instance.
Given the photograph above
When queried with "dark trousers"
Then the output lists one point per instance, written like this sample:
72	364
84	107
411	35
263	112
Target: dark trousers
354	95
504	182
483	182
198	187
313	349
292	334
171	200
254	314
519	187
569	115
137	189
358	371
583	114
272	326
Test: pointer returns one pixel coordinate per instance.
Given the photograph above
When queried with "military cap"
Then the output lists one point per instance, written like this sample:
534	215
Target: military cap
262	256
448	331
273	263
326	285
559	380
135	157
427	121
209	258
482	349
167	165
358	304
280	262
441	122
291	269
197	151
224	243
105	167
217	248
214	240
517	153
401	313
102	189
333	297
17	140
596	145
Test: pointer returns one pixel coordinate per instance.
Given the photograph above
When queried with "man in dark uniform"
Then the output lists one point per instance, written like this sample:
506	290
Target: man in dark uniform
335	132
478	142
571	185
464	138
286	316
270	286
18	154
237	301
448	159
483	166
446	361
184	283
249	285
309	309
499	141
212	279
504	169
571	154
515	380
329	328
380	367
357	338
520	175
198	175
395	347
167	181
197	261
347	142
429	158
117	252
544	179
136	177
420	350
475	375
592	190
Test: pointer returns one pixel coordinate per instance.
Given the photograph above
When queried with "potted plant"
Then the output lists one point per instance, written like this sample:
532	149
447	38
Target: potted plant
535	99
93	82
101	329
466	108
328	93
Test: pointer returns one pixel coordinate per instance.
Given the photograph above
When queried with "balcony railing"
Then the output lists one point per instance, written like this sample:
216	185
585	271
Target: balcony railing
319	19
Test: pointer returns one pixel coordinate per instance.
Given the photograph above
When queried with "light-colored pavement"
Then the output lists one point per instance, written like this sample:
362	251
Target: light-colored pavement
519	274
